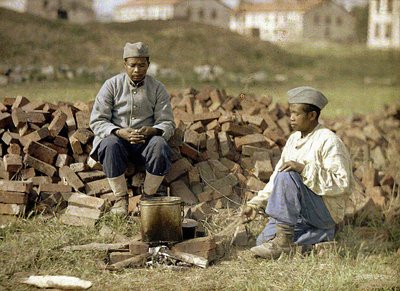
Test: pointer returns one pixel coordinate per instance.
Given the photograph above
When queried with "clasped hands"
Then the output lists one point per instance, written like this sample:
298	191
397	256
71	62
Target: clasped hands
137	136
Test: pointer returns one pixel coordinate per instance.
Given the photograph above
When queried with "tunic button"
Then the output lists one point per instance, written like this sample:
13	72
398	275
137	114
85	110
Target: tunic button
134	92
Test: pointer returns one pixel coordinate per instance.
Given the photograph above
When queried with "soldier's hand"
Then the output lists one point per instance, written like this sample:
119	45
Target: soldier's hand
131	135
148	132
248	213
291	166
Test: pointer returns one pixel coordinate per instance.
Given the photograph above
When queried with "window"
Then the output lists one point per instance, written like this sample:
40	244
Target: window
74	6
378	6
45	4
316	19
327	19
62	14
201	13
390	6
189	13
388	31
377	30
339	21
327	32
214	14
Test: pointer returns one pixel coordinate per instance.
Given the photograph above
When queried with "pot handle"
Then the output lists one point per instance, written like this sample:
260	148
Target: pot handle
183	210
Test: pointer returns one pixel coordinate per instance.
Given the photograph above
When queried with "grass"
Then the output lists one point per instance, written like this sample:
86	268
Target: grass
345	97
34	247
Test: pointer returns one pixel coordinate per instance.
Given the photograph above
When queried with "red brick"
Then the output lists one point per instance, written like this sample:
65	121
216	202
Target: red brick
10	137
206	117
71	178
12	209
76	220
180	189
19	102
41	152
82	119
83	200
90	213
252	139
14	149
195	245
12	163
227	147
190	152
9	197
40	166
138	247
58	122
212	145
51	187
16	186
178	168
35	136
98	187
91	175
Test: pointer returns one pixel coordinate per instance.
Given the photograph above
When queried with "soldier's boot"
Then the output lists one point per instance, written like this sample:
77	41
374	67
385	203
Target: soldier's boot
151	185
282	243
120	189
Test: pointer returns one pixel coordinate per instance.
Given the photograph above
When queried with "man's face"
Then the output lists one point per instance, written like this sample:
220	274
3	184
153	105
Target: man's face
299	119
136	68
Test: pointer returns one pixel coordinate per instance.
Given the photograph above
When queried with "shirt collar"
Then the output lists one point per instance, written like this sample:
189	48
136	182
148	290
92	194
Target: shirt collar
302	140
135	85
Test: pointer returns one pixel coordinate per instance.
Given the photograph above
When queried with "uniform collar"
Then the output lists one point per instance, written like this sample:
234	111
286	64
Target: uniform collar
302	140
135	85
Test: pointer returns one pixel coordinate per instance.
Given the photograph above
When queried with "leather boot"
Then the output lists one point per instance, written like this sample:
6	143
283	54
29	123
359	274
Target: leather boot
282	243
120	189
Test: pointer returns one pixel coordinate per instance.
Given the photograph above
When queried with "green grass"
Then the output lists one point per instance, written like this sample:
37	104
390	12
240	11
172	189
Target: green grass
33	247
345	97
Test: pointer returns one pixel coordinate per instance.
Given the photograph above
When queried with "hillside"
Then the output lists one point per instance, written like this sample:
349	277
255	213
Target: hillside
26	40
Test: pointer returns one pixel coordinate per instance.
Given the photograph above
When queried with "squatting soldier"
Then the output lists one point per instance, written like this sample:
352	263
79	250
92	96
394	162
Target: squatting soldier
307	191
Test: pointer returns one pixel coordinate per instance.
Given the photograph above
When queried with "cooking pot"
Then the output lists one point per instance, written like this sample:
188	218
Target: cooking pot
161	220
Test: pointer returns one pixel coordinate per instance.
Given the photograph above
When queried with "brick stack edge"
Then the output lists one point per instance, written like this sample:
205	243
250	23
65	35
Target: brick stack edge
225	148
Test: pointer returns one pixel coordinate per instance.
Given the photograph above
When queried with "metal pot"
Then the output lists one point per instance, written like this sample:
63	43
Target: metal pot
161	220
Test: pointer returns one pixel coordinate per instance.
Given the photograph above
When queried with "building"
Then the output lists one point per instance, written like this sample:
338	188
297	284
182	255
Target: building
384	24
212	12
77	11
16	5
294	21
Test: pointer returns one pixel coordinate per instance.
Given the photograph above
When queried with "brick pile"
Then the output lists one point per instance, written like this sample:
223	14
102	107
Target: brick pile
224	150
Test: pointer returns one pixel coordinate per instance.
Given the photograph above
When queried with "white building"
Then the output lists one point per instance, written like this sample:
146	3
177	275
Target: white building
16	5
294	20
384	24
212	12
149	10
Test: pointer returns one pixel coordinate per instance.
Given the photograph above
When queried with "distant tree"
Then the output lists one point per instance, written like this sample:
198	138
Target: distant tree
361	15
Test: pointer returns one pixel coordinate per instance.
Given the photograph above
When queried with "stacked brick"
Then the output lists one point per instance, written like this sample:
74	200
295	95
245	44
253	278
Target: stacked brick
46	146
225	147
224	151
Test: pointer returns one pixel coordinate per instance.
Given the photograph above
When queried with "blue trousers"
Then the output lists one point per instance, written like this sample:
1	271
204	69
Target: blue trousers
114	154
293	203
